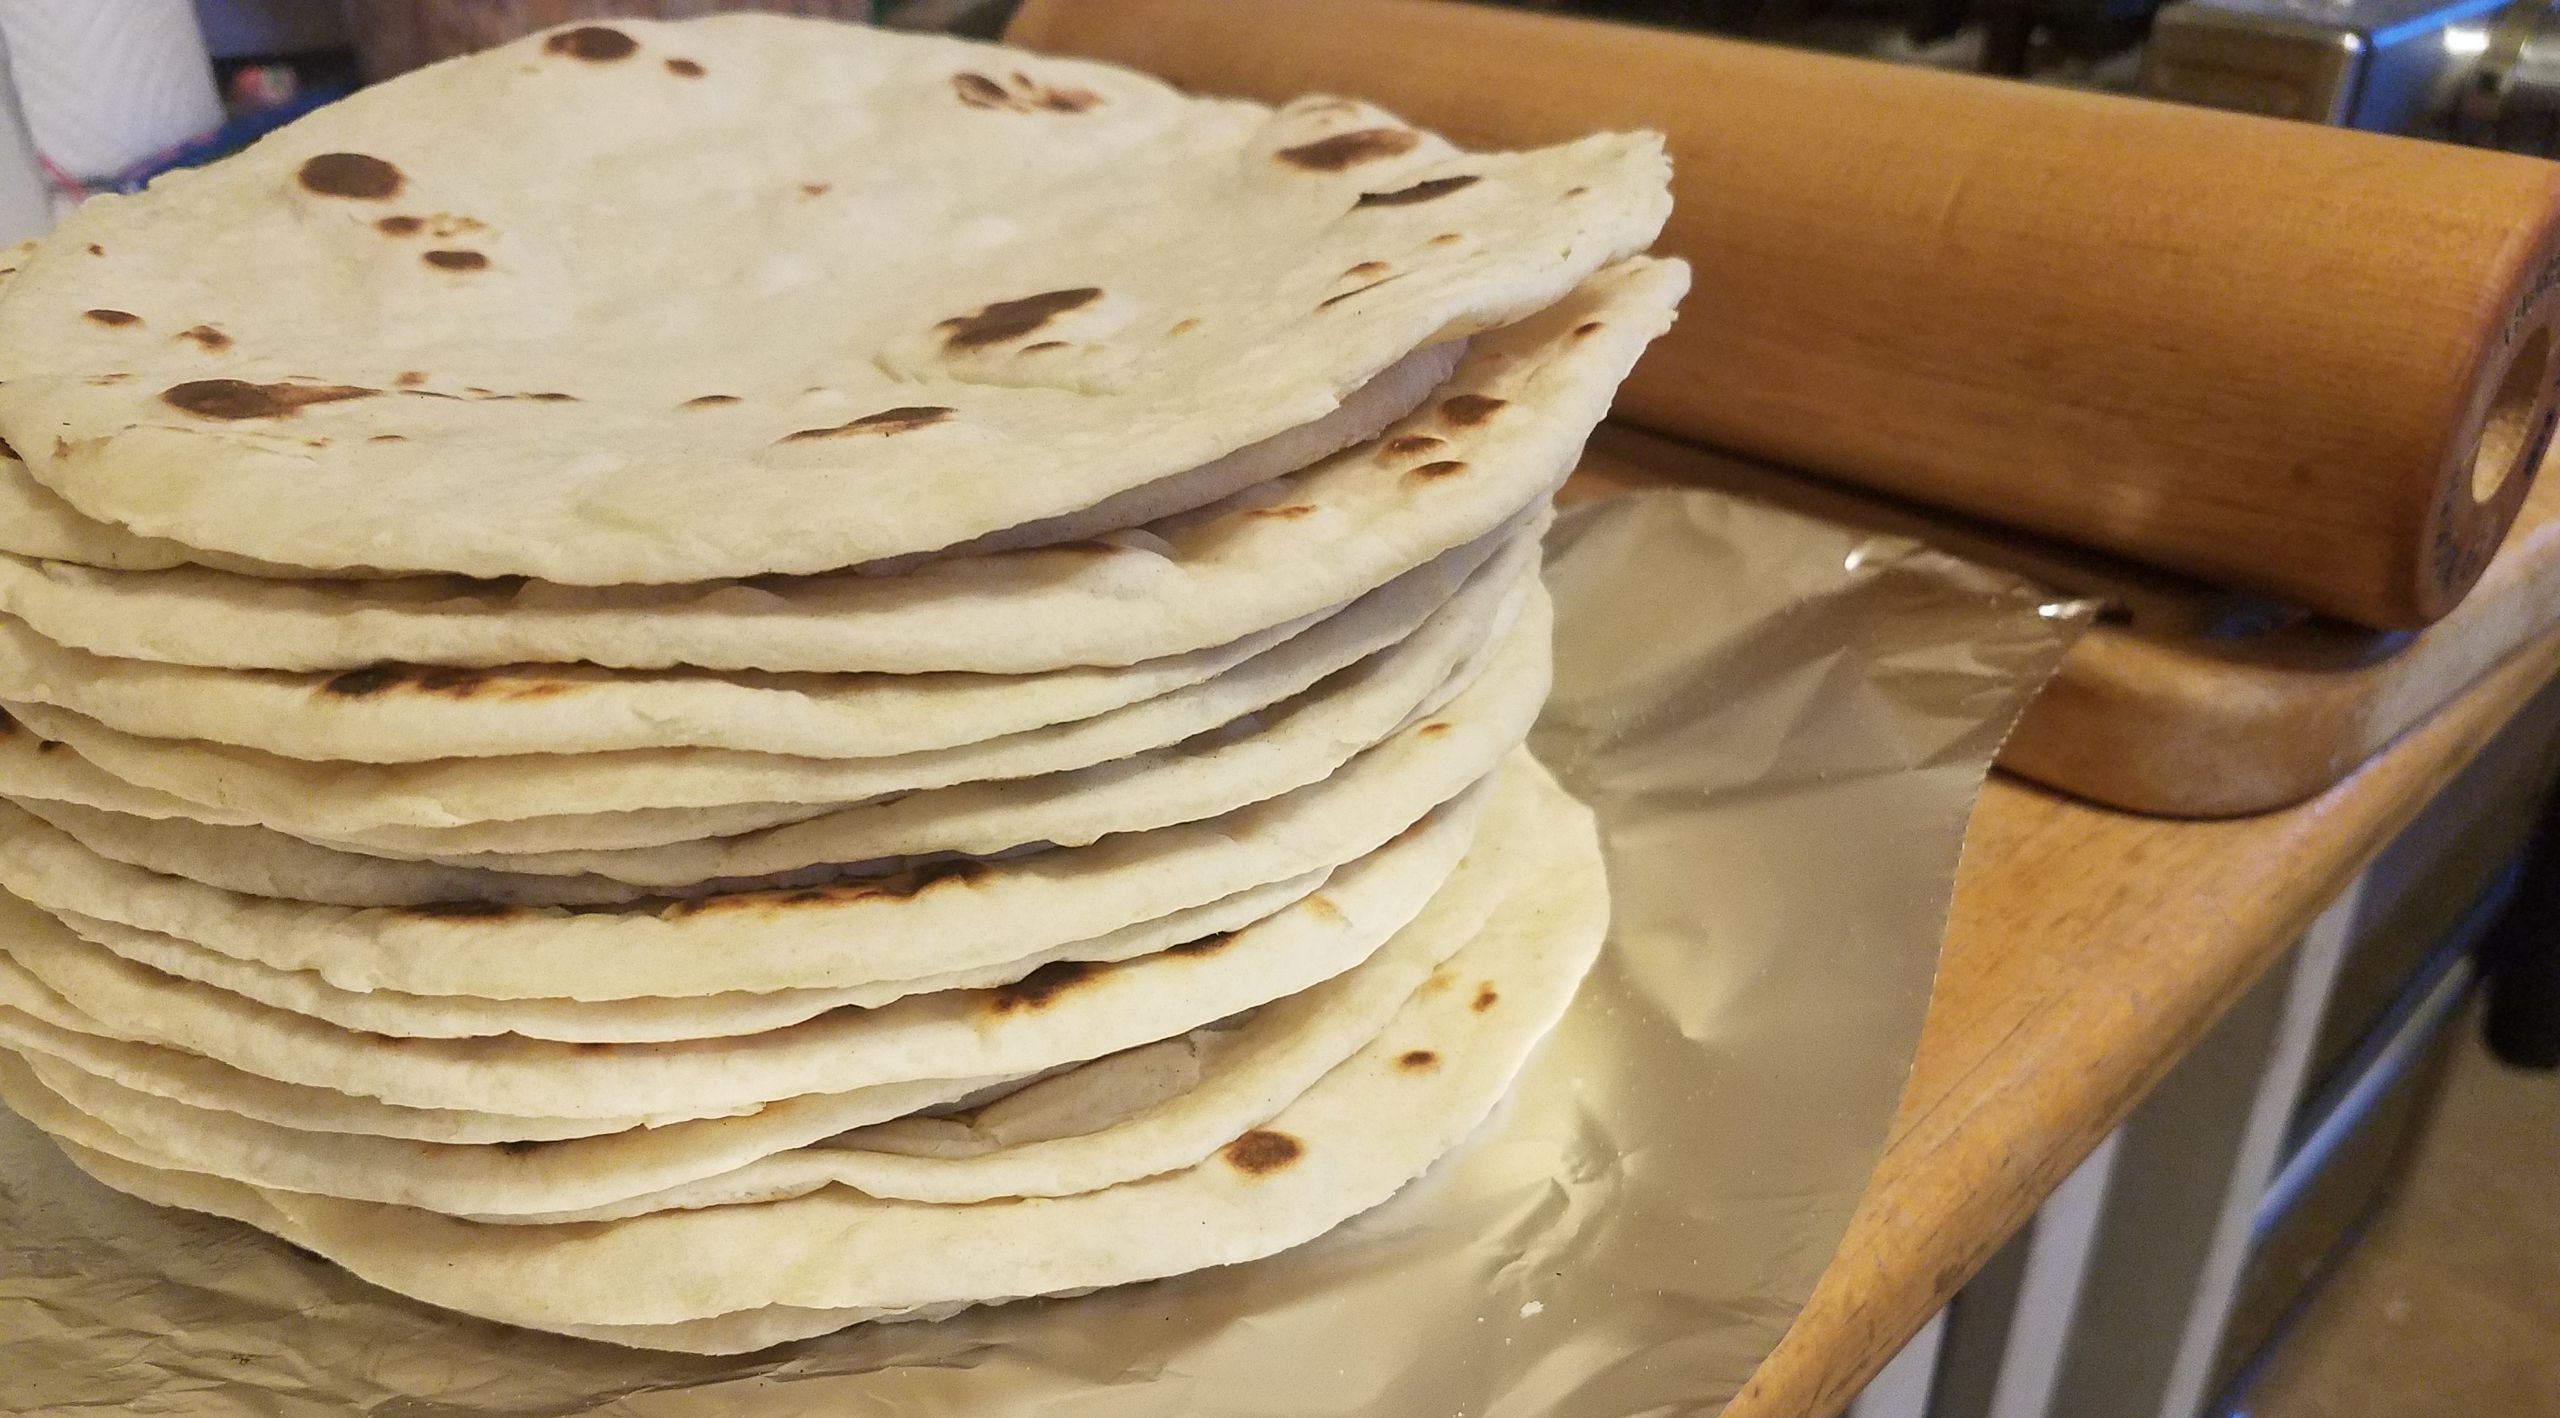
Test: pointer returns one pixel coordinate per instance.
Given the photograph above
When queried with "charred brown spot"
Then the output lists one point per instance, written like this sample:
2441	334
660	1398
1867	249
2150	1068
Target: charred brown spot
400	226
1412	445
550	396
517	1147
1262	1152
354	176
116	378
1446	238
388	438
1184	326
883	424
979	91
446	680
901	885
1348	150
1586	329
1205	945
48	746
1416	1060
1427	190
1013	319
456	260
684	68
596	44
409	379
1290	513
206	336
813	189
1366	269
1434	729
1041	987
229	399
709	400
1575	191
112	319
1044	345
1468	410
96	250
460	910
1444	468
1486	998
1333	300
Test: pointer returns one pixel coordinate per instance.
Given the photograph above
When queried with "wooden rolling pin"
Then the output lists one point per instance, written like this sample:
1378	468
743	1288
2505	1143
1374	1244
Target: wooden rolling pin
2299	360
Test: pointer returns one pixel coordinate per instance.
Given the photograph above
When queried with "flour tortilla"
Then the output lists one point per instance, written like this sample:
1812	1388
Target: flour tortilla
331	800
39	768
1149	1110
761	1273
856	933
1066	1014
402	713
646	1020
1207	578
1188	782
884	188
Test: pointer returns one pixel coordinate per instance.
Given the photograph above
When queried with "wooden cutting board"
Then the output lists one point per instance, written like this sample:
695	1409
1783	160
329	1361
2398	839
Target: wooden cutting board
2182	701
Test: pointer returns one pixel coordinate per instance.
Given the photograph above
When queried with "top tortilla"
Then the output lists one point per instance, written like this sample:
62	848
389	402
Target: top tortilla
421	330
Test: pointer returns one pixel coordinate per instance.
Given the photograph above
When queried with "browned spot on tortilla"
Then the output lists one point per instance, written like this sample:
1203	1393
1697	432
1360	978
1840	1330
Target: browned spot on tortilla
885	423
456	260
979	91
1446	238
115	378
400	226
1205	945
1486	998
1333	300
517	1147
1586	329
900	886
684	68
709	401
1411	445
388	438
1322	908
477	392
445	680
1423	191
1434	729
229	399
1444	468
1012	319
1468	410
112	319
1347	150
550	396
96	250
597	44
1041	988
205	335
1367	268
1044	345
461	910
1416	1060
814	189
1261	1152
1291	512
47	746
1575	191
354	176
1185	326
409	379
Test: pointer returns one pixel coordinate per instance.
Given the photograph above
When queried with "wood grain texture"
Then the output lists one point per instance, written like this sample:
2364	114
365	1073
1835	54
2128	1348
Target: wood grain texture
2262	353
2087	951
2191	702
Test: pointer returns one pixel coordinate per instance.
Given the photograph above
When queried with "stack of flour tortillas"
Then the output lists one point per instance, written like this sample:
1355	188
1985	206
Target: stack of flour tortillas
690	683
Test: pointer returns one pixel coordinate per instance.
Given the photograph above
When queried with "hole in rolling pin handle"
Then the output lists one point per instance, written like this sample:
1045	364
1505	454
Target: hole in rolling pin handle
2519	426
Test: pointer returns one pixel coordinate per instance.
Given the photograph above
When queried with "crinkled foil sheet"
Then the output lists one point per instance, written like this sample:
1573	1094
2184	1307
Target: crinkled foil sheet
1783	724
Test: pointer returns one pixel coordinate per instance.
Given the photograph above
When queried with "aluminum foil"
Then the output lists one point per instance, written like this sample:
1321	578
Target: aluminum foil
1783	724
